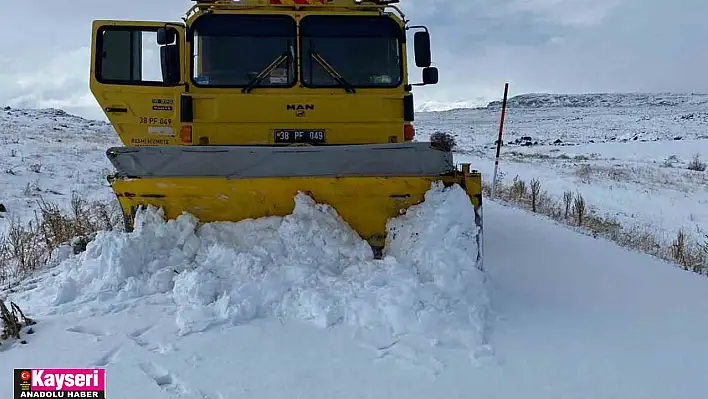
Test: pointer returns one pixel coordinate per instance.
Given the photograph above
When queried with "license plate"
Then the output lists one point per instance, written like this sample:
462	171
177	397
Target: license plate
299	136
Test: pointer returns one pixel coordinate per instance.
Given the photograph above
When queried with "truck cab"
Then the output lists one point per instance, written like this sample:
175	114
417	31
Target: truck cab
261	72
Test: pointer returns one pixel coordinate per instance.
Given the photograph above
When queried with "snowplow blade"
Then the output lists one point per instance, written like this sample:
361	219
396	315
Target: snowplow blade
366	184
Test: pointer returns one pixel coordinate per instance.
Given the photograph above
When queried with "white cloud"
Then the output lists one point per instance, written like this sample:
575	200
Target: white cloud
61	82
577	13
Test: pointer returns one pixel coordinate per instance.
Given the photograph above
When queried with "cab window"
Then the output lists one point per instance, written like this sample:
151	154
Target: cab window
134	56
364	50
244	50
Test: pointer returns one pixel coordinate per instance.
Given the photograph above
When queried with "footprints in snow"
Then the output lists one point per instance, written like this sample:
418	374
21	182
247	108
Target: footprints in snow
140	331
163	378
408	357
97	334
111	356
407	351
108	357
137	337
170	383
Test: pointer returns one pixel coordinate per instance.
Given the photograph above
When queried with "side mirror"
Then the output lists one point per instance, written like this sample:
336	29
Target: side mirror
166	36
169	60
421	41
430	76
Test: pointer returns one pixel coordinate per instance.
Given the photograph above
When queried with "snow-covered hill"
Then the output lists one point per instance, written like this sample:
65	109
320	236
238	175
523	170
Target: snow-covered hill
437	106
546	120
50	154
598	100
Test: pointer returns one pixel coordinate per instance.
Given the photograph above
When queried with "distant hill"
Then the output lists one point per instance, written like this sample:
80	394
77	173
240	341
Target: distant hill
597	100
46	120
439	106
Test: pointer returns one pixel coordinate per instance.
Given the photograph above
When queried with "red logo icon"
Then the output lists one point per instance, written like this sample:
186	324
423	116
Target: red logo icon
25	375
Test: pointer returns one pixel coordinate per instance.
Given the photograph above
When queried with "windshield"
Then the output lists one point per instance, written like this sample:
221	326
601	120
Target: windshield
364	51
232	50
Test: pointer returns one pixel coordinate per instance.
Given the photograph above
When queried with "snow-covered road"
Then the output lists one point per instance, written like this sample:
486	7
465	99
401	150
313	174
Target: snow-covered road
582	318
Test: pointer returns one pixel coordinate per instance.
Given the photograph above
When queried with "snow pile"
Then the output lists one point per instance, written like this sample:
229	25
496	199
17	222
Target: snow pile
308	265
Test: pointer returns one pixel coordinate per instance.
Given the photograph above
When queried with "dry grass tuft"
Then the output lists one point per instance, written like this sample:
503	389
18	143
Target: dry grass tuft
28	247
696	164
13	320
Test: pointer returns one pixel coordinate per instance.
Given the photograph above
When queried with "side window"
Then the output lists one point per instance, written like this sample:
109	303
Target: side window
138	56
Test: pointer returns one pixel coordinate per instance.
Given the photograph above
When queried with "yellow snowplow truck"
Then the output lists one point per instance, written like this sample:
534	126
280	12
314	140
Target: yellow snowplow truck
232	111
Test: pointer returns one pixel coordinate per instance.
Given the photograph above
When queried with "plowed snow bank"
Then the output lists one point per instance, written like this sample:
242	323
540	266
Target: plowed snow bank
308	265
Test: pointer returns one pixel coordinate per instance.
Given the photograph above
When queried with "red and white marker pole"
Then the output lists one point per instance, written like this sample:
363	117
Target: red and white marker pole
499	140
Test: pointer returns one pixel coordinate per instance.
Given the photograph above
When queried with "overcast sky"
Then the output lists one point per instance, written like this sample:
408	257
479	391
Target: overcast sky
566	46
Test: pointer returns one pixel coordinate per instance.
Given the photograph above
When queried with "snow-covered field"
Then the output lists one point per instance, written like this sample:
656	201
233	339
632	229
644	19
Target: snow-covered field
49	154
251	310
626	154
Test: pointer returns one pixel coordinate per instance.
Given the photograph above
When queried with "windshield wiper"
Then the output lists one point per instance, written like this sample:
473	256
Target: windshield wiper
332	72
265	72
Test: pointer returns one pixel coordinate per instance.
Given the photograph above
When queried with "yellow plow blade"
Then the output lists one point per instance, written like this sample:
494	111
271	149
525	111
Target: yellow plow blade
366	184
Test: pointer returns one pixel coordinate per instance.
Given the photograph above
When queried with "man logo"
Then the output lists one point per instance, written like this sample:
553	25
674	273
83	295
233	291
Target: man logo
300	107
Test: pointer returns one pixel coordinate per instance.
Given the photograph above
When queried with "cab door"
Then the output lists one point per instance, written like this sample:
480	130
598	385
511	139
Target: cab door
137	77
